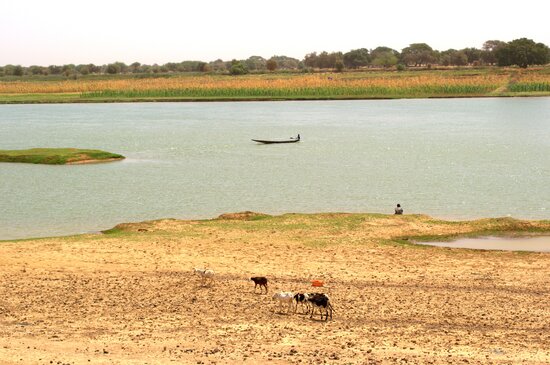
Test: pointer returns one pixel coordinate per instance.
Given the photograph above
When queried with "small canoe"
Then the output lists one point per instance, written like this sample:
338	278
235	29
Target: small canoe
269	141
265	141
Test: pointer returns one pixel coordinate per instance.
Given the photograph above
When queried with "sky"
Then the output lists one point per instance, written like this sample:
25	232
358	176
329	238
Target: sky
61	31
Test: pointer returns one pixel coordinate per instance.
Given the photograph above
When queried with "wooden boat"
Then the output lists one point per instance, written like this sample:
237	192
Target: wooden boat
269	141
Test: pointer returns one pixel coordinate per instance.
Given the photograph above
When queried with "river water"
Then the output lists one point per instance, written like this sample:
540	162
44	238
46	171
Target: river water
449	158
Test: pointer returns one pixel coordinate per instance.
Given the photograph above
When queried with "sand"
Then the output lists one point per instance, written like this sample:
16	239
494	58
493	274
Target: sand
131	297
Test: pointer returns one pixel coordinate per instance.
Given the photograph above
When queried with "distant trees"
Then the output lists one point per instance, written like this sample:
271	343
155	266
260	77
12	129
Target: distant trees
473	55
384	57
256	63
287	63
418	54
452	57
521	52
271	64
18	70
112	69
238	68
357	58
489	51
323	60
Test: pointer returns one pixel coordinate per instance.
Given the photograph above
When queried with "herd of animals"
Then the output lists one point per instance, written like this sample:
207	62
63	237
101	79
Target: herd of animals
309	302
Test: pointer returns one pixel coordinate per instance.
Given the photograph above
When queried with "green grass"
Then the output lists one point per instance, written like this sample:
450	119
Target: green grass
297	93
530	87
55	156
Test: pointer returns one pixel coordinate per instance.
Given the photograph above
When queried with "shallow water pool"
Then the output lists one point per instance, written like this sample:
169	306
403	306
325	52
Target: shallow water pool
536	244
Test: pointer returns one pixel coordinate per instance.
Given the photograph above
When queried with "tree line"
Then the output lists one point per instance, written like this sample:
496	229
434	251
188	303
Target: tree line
521	52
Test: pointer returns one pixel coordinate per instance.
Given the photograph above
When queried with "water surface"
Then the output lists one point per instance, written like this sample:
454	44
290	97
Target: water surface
536	244
449	158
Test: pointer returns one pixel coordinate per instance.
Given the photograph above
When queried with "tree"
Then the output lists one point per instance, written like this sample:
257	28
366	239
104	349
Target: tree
218	66
523	52
473	55
271	64
238	68
112	69
418	54
383	57
35	70
311	60
339	65
452	57
135	67
256	63
18	70
83	69
489	50
171	67
286	63
357	58
324	60
203	67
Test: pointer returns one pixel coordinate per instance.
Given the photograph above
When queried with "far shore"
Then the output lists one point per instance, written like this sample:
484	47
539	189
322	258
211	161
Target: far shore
349	85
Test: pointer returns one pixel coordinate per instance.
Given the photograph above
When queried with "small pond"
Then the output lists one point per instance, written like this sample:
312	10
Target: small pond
535	244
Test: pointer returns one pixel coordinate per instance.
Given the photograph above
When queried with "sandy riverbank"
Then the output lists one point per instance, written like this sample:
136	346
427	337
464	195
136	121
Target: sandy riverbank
129	296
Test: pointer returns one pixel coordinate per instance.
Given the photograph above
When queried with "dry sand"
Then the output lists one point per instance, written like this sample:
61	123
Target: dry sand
130	297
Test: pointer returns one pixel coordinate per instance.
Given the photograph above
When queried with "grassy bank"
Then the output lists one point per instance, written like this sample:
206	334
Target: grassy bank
284	86
338	228
129	295
58	156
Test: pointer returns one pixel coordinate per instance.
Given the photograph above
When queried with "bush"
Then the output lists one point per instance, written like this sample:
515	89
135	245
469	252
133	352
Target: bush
238	68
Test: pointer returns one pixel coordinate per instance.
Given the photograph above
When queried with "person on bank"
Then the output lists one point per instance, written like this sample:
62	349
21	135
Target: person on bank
398	209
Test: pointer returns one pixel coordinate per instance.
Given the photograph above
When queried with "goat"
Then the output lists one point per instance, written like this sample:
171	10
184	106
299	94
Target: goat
284	298
205	274
321	301
303	299
260	281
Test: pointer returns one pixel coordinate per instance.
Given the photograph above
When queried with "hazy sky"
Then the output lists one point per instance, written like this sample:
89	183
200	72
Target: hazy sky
70	31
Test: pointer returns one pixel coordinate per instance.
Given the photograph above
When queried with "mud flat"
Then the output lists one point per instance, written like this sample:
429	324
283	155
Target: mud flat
128	295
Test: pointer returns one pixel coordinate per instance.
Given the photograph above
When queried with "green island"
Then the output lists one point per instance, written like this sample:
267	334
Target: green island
58	156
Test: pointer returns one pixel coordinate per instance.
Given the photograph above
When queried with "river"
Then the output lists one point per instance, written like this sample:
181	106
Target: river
449	158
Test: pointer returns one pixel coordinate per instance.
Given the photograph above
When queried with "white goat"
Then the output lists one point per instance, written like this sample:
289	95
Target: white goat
284	298
205	275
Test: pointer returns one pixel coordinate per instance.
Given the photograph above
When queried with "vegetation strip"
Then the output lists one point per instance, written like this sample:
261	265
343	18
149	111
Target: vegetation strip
349	85
58	156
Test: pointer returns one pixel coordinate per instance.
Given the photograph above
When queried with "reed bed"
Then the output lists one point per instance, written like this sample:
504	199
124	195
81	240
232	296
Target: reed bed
270	86
531	82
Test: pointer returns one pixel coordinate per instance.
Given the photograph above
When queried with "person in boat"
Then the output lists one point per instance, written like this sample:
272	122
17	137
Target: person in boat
298	138
398	209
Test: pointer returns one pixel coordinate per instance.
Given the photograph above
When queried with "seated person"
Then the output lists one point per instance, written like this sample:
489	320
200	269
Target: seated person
398	209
